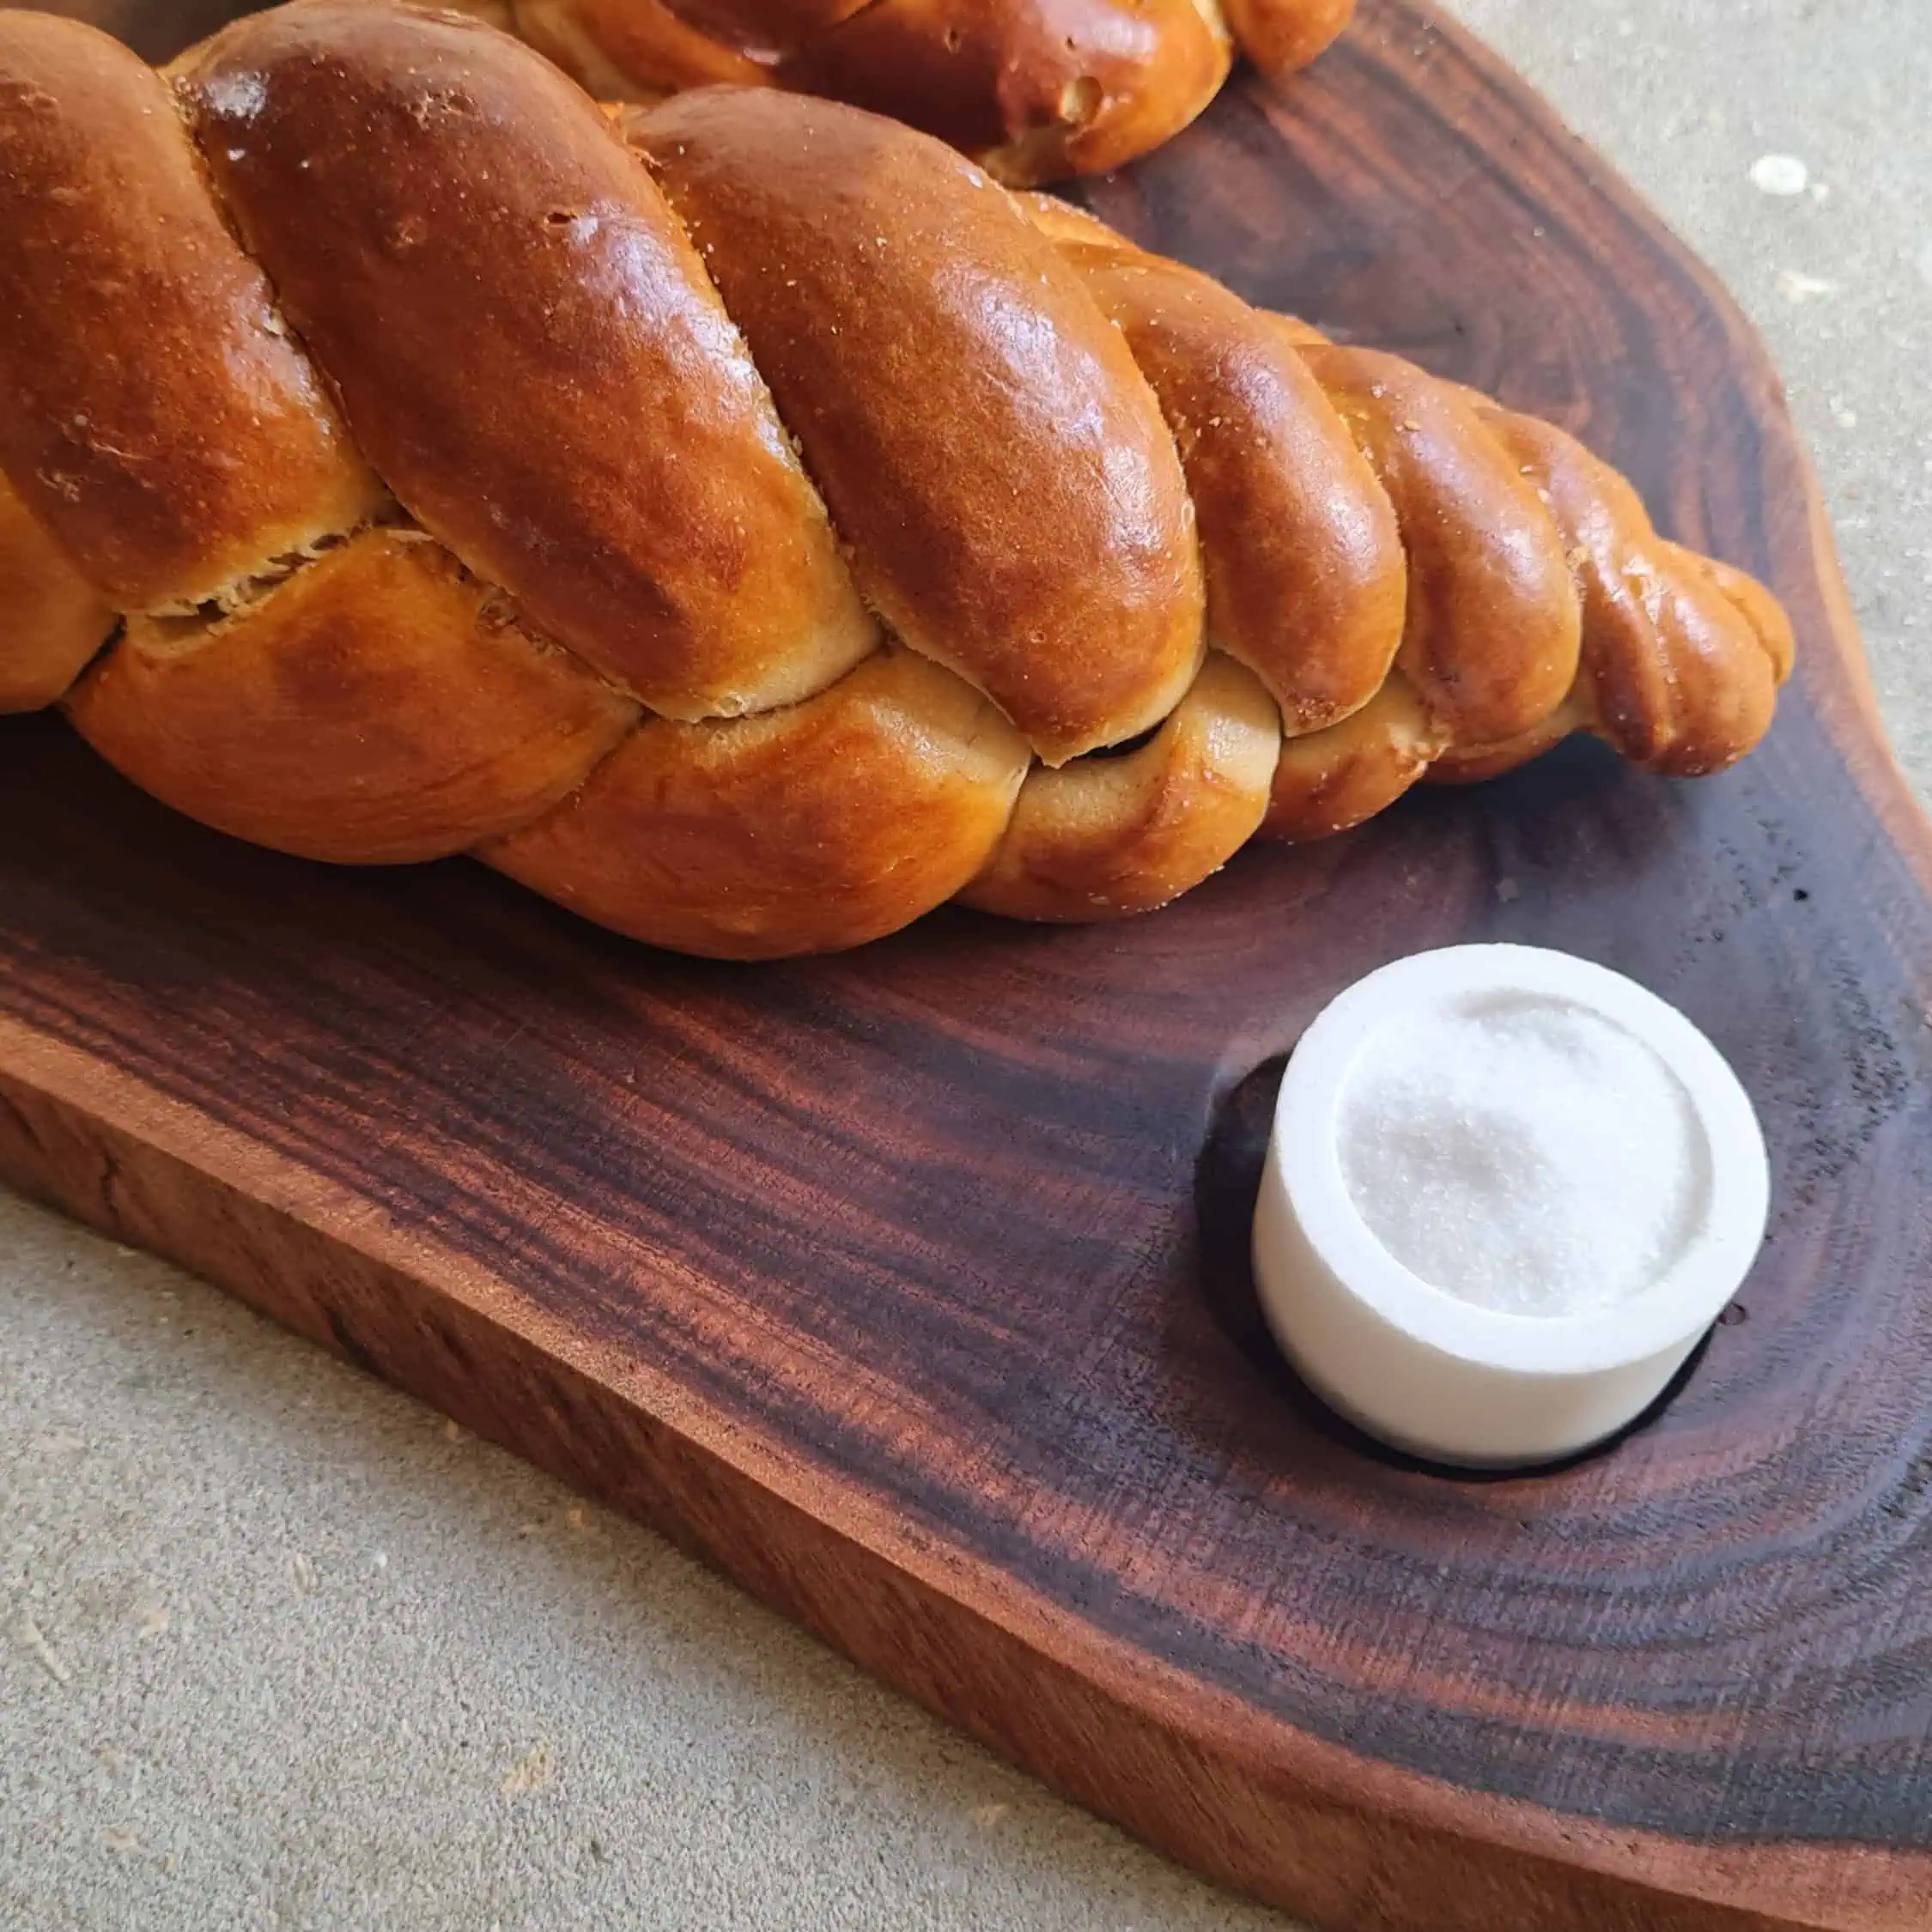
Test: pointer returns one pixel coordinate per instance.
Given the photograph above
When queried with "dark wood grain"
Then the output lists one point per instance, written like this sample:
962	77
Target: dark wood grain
907	1286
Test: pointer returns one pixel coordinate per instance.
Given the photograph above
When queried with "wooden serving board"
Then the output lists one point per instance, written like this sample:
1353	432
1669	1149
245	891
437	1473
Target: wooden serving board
908	1286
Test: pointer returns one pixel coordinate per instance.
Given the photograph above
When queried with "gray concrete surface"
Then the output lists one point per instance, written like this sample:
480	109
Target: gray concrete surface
281	1650
1687	97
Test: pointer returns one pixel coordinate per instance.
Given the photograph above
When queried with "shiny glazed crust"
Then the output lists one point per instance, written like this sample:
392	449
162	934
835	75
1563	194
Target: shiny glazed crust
1033	90
741	520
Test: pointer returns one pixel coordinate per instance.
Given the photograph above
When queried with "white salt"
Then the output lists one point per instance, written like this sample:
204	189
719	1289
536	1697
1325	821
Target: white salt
1523	1153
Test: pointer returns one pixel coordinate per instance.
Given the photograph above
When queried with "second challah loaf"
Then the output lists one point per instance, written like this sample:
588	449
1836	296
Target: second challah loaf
740	519
1031	89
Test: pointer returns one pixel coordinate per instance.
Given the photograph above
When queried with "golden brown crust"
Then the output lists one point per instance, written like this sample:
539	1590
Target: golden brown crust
1494	628
376	707
1032	90
766	27
1682	659
55	619
631	50
1763	615
1281	35
992	456
1010	487
1471	764
414	183
158	422
1334	779
804	830
1106	836
1306	582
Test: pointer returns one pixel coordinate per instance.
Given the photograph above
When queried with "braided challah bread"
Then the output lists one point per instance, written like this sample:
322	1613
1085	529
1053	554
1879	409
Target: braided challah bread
1031	89
740	519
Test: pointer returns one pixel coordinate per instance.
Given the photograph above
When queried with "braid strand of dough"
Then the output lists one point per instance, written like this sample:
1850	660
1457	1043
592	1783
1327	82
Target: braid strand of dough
740	519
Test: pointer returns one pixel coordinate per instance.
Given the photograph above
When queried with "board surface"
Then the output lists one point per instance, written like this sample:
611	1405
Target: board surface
909	1287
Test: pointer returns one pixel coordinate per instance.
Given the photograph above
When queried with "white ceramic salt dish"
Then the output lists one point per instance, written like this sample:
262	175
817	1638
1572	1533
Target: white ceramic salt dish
1438	1375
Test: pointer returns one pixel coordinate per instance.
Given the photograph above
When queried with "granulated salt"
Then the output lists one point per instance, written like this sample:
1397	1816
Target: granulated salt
1523	1153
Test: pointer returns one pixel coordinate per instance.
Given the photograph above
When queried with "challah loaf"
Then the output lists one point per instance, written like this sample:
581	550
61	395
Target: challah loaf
740	519
1031	89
